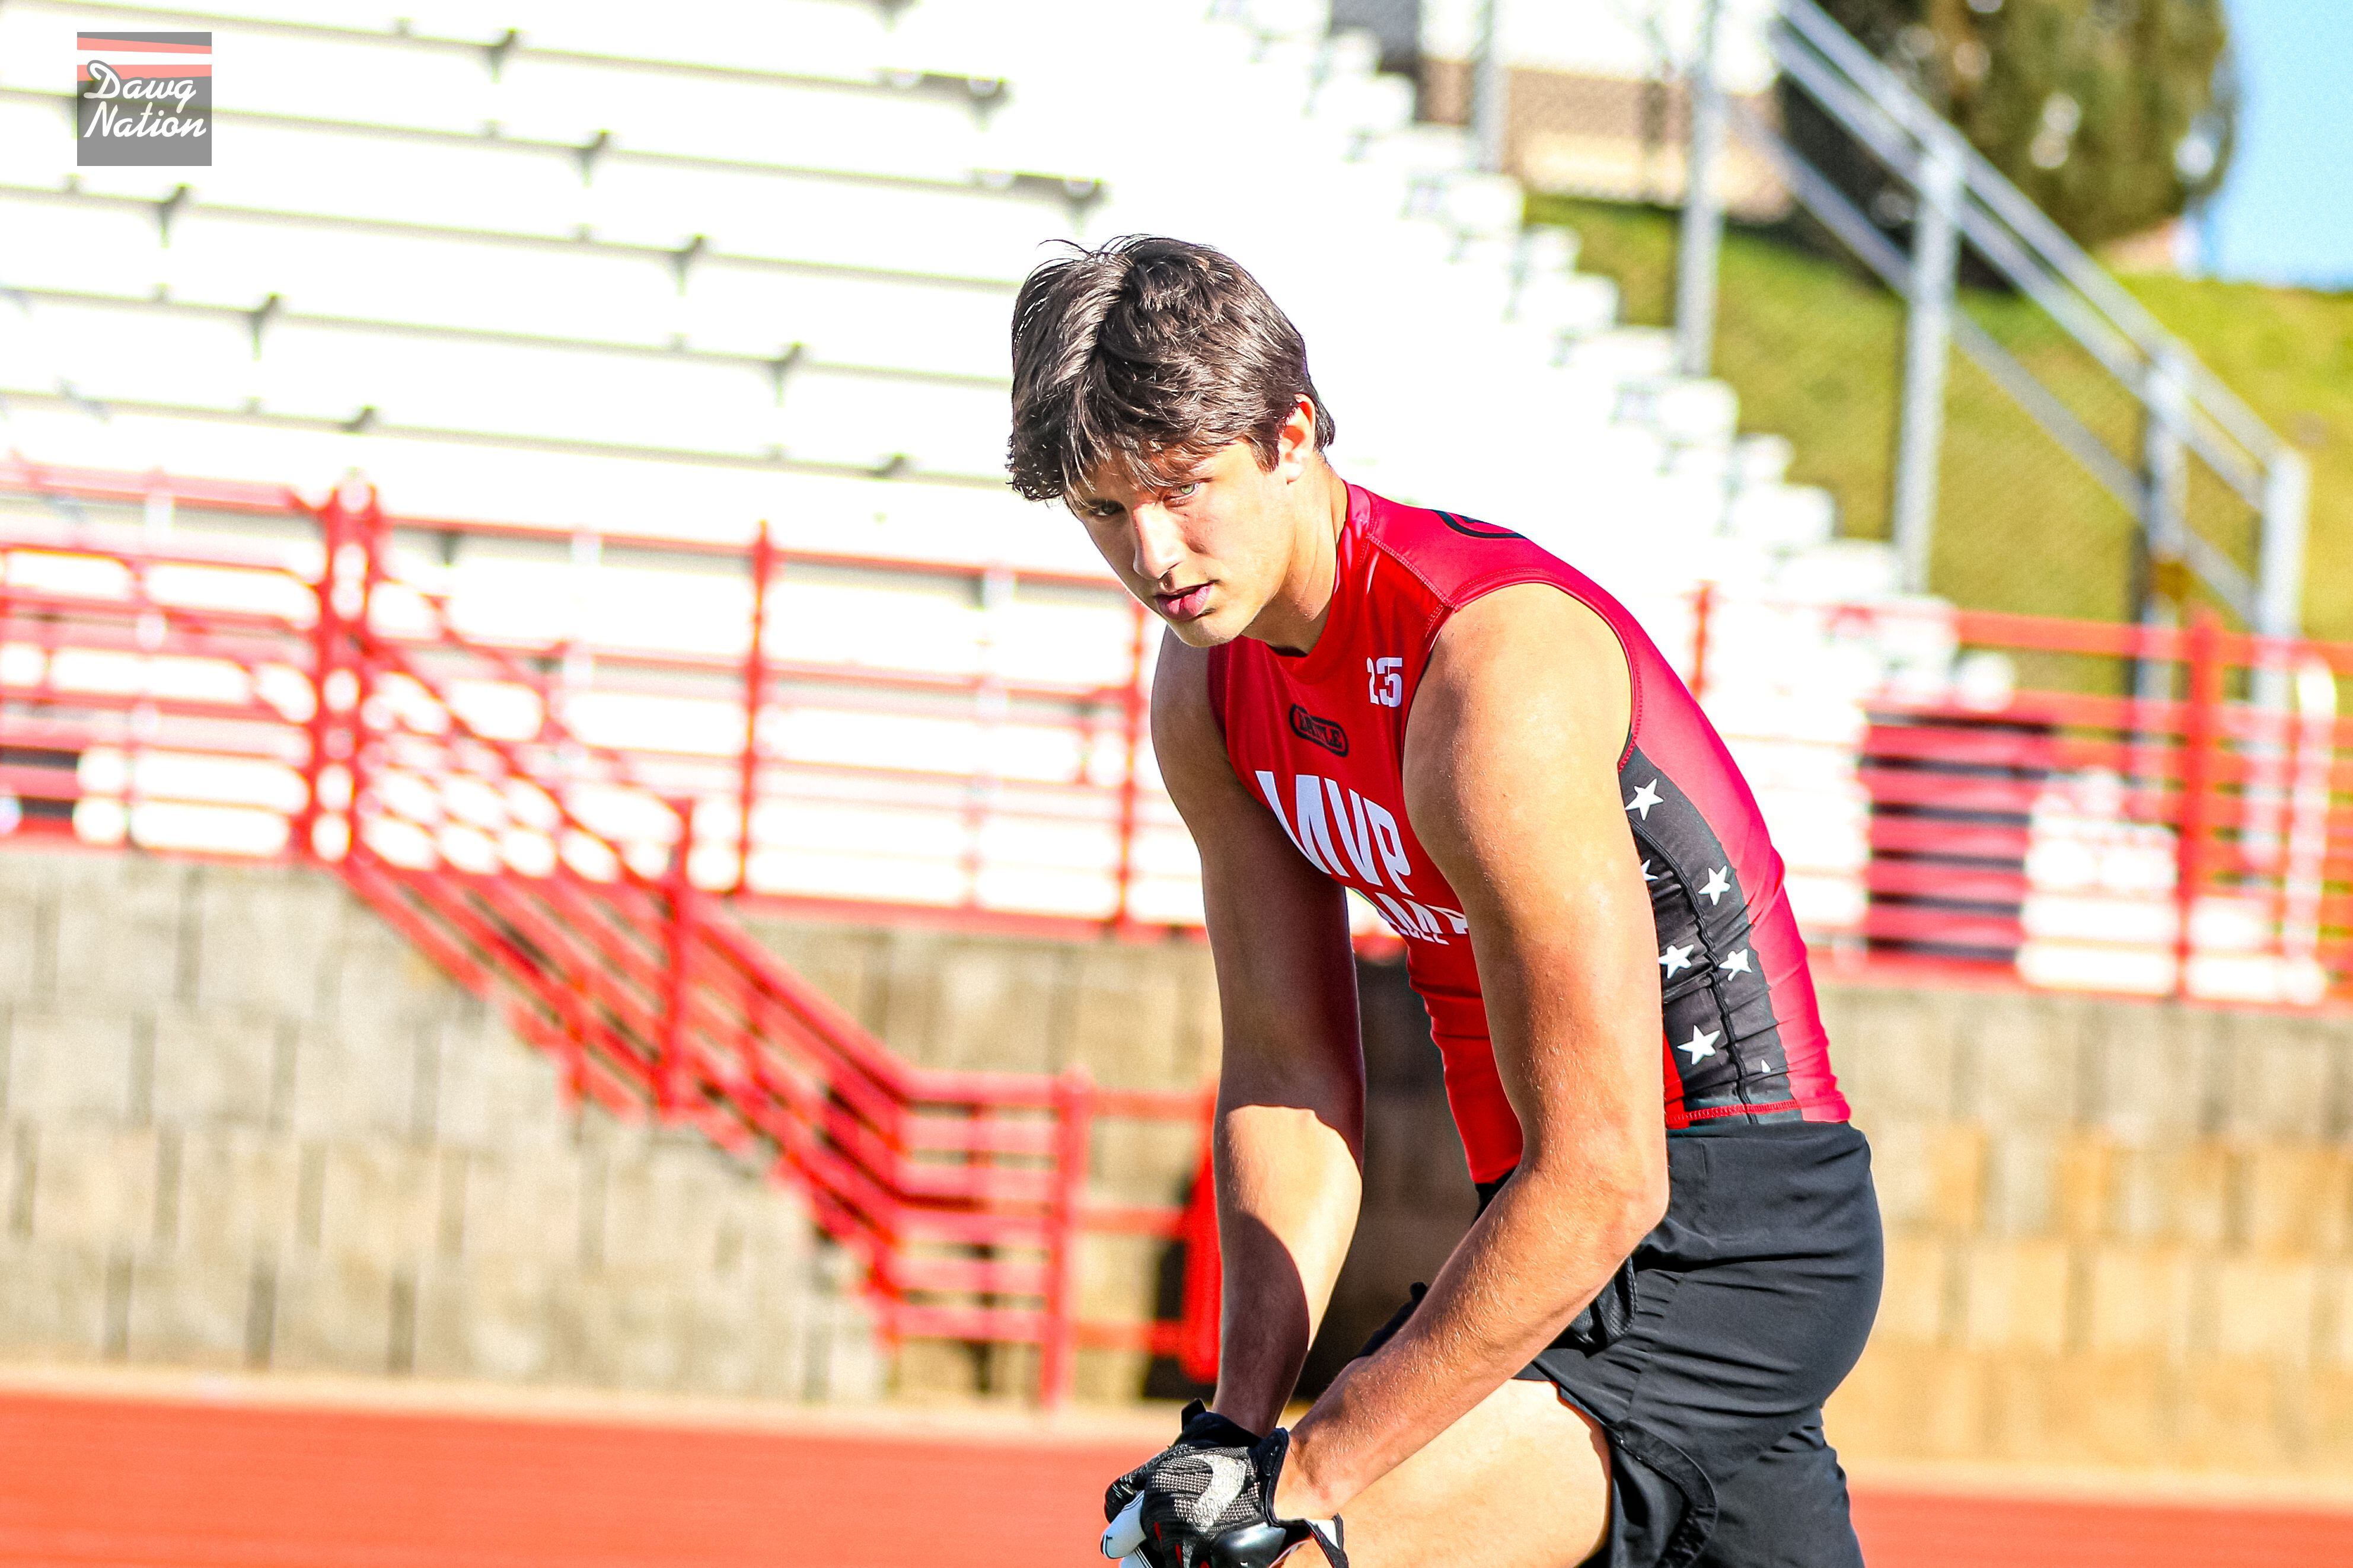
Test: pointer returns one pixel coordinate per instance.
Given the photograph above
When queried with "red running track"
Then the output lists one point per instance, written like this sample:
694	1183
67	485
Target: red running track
139	1484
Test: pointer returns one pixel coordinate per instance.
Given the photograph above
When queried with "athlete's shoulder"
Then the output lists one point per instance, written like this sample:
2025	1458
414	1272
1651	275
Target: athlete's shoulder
1457	557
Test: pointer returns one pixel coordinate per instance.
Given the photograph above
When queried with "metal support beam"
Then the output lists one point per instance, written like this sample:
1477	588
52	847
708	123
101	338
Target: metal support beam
2279	585
1703	224
2278	613
2165	483
2165	478
2279	570
1491	89
1927	336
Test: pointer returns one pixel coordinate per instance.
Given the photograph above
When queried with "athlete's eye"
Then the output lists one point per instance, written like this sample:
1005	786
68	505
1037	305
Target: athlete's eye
1184	490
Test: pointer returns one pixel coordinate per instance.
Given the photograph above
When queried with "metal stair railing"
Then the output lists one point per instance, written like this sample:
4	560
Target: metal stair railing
957	1190
1963	200
965	1195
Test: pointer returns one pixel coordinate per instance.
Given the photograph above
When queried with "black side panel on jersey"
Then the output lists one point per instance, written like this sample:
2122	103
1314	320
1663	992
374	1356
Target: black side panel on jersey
1718	1008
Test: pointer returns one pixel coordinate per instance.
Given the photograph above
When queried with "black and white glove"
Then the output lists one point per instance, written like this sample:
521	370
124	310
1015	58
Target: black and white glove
1208	1501
1201	1429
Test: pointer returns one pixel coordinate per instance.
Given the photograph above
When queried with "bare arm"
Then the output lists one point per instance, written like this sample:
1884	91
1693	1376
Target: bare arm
1291	1090
1511	782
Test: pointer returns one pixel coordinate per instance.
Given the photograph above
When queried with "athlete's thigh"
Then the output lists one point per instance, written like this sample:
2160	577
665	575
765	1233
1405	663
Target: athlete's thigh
1523	1481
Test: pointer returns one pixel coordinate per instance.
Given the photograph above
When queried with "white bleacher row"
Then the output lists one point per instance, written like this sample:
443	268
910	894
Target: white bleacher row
784	74
635	283
849	171
633	294
493	282
817	414
1520	409
556	195
824	216
580	132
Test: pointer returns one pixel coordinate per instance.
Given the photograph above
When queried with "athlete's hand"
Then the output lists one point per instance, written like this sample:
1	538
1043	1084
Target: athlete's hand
1207	1501
1201	1429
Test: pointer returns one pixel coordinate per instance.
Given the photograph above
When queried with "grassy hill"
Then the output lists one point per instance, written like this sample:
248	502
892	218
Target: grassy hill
1814	350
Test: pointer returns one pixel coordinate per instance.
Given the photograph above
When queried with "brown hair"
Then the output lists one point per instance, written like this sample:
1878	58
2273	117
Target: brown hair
1149	352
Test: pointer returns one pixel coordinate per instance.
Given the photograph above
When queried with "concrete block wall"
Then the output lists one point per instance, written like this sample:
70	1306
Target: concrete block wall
2118	1233
242	1125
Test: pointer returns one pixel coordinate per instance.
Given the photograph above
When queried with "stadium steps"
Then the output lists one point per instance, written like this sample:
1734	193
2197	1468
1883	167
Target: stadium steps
528	266
963	1194
556	879
918	153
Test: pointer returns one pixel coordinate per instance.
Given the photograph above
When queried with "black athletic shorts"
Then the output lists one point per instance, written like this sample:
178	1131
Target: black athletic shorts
1708	1358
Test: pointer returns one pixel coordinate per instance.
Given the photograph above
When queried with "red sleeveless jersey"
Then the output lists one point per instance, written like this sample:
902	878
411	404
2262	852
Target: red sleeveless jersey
1319	738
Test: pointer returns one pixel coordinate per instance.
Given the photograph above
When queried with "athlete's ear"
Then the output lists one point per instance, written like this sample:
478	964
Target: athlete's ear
1296	442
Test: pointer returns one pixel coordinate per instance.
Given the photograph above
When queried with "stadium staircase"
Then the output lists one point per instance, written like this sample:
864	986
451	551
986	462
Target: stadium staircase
963	1194
611	293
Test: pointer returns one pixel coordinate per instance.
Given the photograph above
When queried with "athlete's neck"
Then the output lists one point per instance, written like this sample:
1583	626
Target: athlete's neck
1294	618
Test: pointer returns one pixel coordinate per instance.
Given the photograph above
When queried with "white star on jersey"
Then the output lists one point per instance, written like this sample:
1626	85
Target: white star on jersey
1716	886
1737	964
1674	958
1644	798
1702	1045
1649	875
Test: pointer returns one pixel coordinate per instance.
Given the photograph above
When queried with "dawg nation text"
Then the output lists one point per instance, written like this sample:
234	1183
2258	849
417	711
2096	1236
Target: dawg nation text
157	99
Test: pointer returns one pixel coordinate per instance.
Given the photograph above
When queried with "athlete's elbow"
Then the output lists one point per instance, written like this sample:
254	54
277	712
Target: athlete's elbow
1629	1199
1642	1198
1621	1192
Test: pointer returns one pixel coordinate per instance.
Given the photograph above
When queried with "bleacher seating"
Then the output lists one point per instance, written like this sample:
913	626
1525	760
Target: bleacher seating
559	268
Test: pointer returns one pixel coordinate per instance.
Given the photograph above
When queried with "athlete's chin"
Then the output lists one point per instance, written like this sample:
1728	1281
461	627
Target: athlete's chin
1202	631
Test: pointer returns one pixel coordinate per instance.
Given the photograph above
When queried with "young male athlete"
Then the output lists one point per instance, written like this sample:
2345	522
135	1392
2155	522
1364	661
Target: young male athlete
1677	1254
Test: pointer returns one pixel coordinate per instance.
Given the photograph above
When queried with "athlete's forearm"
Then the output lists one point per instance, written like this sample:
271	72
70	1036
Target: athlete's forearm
1543	1250
1288	1186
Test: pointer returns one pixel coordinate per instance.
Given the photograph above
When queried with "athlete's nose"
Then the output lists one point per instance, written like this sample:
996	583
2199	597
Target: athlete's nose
1159	546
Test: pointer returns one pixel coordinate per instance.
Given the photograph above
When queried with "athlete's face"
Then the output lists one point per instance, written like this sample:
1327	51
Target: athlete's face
1212	551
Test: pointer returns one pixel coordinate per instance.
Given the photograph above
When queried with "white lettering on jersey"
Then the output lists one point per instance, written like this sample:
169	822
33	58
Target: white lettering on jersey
1391	843
1356	832
1368	833
1274	792
1410	919
1373	902
1314	838
1385	682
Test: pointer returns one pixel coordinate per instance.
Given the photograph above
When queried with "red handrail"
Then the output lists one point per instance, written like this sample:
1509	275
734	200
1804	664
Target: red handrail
964	1194
2203	654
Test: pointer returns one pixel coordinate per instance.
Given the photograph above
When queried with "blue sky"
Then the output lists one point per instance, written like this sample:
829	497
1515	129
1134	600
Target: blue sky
2285	214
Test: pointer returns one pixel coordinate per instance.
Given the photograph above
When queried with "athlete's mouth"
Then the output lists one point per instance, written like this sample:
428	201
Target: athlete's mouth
1185	603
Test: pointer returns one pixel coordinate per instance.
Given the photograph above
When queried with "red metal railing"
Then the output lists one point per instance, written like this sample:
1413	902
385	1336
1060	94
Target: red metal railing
1012	788
2164	811
2117	808
223	702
